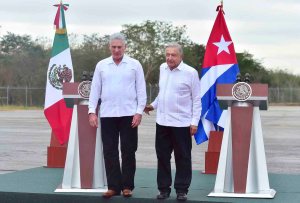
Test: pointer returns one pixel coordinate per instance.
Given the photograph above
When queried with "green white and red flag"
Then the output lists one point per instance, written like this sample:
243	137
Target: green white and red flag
60	70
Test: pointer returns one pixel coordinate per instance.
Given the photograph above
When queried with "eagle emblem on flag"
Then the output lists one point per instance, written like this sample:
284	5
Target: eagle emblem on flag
59	74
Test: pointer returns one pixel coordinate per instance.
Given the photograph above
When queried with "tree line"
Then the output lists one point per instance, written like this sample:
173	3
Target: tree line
24	60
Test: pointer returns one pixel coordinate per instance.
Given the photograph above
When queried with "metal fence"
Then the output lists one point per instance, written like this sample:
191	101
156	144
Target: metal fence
22	96
33	96
284	95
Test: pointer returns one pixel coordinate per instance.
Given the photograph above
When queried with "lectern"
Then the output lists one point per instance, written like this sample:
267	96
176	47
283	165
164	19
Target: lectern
84	168
242	169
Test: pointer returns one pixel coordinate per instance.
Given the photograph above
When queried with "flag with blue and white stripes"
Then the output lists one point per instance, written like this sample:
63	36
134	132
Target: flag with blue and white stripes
219	67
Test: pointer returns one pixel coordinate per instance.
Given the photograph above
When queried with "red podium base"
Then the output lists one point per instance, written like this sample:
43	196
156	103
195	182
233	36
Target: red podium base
56	157
56	153
213	152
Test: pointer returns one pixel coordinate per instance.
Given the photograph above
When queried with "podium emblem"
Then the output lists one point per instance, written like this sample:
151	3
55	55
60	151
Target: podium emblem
84	89
241	91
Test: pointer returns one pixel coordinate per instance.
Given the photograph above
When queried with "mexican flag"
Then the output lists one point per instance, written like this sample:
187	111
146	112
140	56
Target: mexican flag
60	70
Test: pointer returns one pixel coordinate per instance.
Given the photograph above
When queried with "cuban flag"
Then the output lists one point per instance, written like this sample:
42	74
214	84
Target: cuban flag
219	67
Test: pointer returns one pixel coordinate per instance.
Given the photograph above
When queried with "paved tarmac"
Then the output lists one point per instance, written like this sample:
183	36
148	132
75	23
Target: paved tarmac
25	135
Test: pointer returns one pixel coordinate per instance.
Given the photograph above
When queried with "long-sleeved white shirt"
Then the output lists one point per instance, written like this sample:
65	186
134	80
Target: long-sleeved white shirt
121	88
178	102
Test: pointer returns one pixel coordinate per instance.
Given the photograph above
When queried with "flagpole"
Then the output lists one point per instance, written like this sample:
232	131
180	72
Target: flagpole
220	7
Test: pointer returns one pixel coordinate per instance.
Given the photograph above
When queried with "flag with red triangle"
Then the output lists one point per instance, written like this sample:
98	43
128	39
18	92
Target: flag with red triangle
219	67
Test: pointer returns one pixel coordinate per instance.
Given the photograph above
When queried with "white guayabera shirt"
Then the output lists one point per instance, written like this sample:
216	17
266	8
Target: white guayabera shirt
121	87
178	102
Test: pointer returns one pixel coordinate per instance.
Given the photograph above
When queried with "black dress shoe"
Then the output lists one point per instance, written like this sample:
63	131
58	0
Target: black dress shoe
163	195
181	196
127	193
109	193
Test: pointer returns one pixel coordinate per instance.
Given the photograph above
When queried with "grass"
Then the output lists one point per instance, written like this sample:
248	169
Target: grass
13	107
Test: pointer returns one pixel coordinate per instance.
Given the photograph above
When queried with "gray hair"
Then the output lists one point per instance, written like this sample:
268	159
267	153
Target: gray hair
175	45
117	36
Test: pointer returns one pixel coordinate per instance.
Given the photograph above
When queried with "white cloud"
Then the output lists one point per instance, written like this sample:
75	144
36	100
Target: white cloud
268	29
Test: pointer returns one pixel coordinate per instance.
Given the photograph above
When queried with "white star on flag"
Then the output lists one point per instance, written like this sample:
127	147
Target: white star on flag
223	45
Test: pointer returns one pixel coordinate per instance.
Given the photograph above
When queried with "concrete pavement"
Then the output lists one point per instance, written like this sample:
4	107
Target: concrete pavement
25	135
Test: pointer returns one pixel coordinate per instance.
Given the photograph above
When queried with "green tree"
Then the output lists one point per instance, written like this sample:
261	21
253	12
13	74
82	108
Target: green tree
277	78
22	60
146	42
12	43
86	55
193	55
23	63
248	64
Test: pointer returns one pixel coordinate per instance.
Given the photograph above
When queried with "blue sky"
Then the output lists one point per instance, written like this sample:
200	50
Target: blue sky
268	29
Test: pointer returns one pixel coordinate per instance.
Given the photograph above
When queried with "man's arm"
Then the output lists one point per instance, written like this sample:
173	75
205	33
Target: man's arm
196	100
93	120
94	97
141	96
140	89
136	121
148	108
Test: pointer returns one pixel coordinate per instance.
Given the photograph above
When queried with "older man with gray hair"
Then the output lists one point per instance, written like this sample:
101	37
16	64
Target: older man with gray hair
178	107
120	85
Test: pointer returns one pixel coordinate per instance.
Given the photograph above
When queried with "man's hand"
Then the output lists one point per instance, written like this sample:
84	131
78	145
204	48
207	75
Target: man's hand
93	120
148	108
193	129
136	120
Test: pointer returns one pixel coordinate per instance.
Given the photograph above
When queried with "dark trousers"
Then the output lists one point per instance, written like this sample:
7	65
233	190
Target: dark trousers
179	140
112	129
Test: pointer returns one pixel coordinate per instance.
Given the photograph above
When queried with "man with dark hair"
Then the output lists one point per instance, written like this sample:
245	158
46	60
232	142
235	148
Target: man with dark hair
178	107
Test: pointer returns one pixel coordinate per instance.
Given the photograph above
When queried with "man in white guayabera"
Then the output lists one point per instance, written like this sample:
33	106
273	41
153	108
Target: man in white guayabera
178	107
119	83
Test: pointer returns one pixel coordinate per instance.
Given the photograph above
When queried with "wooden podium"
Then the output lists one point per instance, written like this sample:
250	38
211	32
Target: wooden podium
56	153
84	168
242	169
213	152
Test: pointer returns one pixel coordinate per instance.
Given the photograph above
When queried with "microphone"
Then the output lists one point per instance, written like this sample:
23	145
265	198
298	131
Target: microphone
84	76
238	78
247	78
